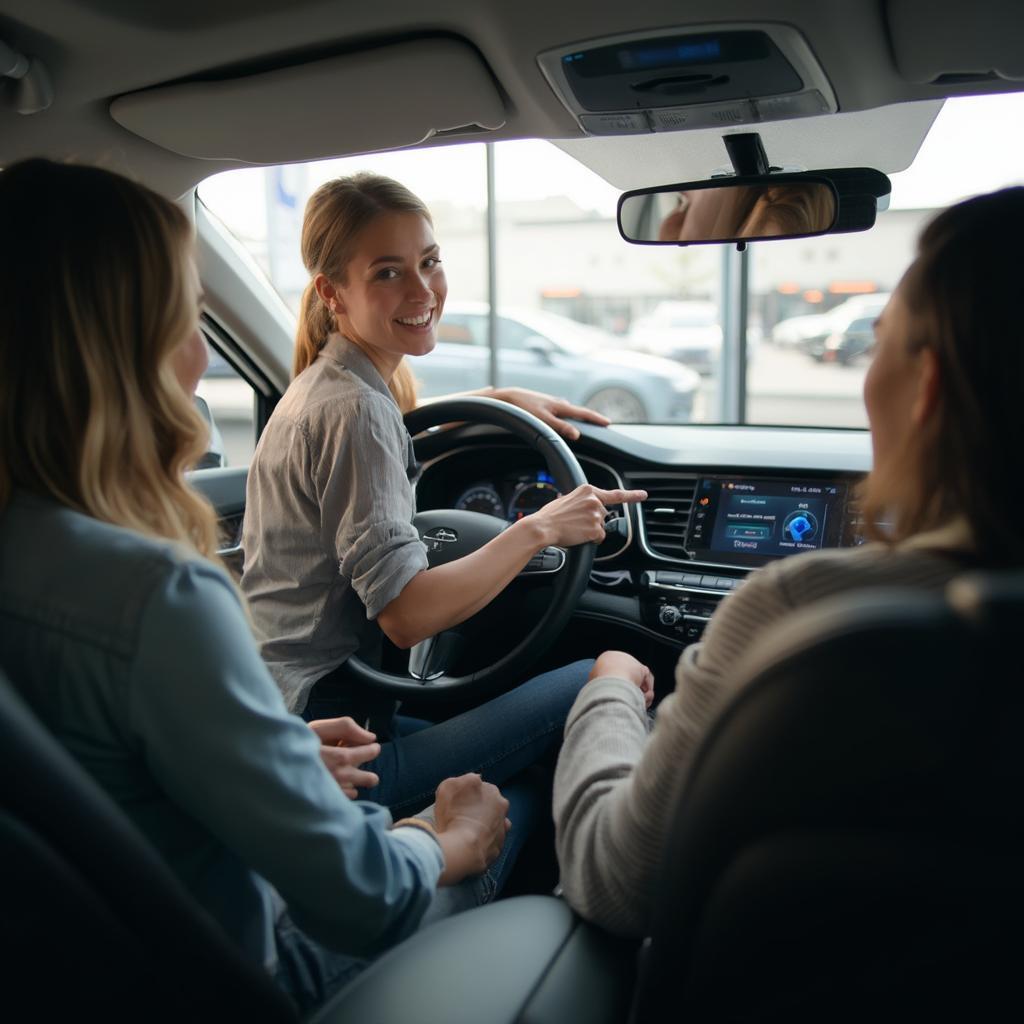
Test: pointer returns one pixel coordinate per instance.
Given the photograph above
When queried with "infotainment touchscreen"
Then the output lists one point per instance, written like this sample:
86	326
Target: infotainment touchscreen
748	521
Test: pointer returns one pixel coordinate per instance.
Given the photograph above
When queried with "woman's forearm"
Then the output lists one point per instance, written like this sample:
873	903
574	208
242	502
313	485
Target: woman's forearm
442	597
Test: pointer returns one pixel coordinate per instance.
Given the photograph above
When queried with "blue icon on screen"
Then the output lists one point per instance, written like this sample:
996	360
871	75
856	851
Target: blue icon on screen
800	527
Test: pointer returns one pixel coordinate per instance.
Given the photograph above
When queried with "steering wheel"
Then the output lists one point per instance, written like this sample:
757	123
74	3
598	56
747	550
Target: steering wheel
453	533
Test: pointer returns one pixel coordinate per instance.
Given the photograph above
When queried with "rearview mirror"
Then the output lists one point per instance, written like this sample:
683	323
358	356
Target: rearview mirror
745	209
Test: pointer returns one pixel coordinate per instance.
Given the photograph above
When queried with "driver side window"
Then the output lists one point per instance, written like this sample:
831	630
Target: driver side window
228	403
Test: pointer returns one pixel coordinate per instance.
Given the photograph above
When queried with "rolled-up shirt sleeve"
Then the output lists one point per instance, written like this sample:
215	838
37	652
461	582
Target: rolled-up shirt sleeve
368	503
215	734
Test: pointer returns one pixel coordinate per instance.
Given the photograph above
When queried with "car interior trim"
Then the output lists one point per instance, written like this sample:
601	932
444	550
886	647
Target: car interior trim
265	118
738	448
633	627
967	43
887	139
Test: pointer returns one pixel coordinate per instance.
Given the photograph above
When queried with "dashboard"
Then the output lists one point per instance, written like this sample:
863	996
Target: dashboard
722	501
510	496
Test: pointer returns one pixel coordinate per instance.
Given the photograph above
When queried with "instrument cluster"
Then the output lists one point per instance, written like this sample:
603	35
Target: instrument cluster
510	497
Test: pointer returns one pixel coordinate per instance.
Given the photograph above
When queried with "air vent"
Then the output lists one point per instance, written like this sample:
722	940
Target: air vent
666	512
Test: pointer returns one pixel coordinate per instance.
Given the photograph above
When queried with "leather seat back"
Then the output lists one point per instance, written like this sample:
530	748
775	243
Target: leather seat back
852	831
95	924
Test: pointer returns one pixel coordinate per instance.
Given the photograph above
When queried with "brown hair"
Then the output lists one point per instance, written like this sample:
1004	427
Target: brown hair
962	294
336	214
96	294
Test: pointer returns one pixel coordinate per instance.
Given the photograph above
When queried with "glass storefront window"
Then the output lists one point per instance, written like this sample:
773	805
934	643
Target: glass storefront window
813	301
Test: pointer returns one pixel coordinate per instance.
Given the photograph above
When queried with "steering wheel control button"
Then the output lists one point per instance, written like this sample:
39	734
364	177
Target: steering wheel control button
438	537
549	560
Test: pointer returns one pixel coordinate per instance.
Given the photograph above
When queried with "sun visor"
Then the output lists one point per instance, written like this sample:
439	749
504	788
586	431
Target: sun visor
949	42
321	108
887	139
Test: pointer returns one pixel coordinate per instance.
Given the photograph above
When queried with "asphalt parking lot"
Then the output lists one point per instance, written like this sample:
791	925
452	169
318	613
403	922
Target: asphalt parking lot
789	387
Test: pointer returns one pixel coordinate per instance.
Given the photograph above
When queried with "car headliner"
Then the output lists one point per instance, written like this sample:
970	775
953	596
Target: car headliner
99	50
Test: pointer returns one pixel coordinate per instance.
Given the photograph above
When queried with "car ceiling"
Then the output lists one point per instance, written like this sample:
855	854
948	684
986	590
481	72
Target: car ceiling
97	51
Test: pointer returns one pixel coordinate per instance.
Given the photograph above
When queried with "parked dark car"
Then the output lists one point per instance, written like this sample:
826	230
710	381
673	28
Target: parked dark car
846	342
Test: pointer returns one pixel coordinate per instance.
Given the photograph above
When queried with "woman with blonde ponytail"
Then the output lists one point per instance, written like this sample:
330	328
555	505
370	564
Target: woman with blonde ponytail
131	644
328	536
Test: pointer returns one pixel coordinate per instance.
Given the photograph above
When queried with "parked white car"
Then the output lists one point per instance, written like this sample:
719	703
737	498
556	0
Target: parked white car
798	332
687	332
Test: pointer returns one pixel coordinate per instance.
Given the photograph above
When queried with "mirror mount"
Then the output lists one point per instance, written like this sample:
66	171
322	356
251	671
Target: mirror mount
747	153
749	159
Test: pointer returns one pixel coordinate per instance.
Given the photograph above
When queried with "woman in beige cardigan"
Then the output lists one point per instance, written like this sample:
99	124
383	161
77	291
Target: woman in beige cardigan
943	401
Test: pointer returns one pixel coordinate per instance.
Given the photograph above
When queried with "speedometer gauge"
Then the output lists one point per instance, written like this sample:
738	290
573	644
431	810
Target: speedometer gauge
482	498
529	497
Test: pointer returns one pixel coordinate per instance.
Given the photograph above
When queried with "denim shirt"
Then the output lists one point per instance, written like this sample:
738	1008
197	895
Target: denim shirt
138	656
328	534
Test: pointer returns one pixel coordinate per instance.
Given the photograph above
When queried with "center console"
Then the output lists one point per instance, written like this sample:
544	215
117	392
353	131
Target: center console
736	524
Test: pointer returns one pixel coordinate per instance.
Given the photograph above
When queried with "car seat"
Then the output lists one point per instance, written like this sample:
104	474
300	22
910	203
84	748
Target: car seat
96	926
848	844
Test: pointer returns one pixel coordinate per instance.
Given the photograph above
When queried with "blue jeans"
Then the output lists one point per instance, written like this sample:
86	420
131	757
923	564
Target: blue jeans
503	740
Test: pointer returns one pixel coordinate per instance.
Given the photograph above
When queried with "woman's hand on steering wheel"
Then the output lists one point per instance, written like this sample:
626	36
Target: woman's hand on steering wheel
550	410
578	517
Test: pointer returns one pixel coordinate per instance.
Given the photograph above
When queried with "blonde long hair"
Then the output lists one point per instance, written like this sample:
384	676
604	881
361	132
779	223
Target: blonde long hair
336	214
96	293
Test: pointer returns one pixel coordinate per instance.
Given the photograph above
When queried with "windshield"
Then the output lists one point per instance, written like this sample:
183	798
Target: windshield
636	331
684	314
567	334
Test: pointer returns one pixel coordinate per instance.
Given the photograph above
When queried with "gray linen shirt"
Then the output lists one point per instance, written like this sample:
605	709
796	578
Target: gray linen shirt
328	534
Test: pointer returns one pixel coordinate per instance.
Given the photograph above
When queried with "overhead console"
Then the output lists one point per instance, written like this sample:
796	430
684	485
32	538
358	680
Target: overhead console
675	79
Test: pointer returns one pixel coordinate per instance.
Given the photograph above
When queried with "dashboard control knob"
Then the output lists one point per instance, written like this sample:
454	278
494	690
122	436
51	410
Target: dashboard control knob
669	614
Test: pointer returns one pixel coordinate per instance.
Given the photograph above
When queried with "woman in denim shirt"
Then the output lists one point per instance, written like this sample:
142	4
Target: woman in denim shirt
129	641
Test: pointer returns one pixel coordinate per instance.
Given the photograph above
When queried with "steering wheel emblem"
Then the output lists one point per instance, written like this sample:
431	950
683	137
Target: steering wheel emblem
436	538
